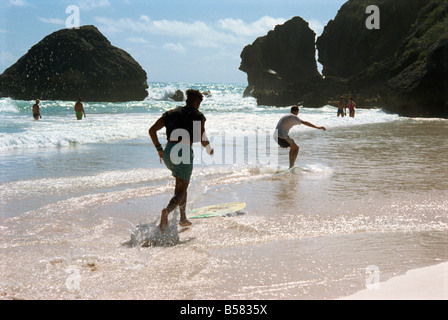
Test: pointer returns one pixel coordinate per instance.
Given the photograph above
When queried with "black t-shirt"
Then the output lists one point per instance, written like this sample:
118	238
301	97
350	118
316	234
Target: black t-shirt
187	118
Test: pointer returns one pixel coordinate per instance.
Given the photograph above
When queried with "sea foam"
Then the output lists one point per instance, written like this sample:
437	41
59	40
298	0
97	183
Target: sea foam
146	235
7	106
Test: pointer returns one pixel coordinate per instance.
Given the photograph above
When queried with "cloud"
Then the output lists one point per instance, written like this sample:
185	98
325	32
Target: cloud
174	47
316	26
19	3
93	4
196	33
178	28
156	27
123	24
253	29
52	20
137	40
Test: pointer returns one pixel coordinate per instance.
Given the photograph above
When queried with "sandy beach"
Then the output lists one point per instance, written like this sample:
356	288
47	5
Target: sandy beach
369	191
206	152
429	283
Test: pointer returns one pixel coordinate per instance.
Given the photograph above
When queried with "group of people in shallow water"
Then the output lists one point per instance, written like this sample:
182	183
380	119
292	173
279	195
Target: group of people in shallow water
79	110
342	107
185	125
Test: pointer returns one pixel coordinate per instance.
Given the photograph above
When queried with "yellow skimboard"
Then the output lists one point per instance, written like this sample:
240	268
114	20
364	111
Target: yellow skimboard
218	210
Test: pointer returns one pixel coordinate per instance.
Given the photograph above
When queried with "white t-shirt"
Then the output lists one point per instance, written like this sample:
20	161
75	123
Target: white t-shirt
285	124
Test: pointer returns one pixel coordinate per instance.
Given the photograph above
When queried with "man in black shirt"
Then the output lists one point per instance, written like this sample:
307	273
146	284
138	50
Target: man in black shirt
184	126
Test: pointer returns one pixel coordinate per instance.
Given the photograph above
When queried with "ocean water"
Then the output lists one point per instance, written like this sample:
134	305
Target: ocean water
370	193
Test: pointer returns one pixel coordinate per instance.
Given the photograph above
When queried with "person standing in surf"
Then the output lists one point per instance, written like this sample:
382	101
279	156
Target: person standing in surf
79	109
342	110
351	107
36	110
184	126
281	133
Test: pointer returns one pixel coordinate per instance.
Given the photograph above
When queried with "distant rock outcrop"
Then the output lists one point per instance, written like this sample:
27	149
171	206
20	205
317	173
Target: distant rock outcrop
401	67
347	47
72	63
178	96
284	57
418	80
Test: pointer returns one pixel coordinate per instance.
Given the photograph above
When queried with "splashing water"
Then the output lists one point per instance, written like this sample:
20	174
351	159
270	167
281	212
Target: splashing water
147	235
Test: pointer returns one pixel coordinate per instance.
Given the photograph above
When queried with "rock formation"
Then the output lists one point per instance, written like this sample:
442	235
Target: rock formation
72	63
401	67
418	80
283	58
347	47
178	96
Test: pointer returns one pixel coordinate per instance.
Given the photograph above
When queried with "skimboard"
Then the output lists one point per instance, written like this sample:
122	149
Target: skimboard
218	210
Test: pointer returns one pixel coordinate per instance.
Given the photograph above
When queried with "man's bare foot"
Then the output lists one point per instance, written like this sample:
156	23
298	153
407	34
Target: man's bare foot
163	220
185	223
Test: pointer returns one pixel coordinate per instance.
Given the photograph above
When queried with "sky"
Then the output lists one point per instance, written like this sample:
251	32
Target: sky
173	40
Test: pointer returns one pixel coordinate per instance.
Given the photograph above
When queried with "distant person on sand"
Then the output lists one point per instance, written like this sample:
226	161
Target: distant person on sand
351	106
184	126
282	130
36	110
342	111
79	109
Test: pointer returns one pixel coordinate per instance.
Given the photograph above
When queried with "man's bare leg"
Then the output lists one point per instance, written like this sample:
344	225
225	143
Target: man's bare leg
164	219
180	196
293	153
184	222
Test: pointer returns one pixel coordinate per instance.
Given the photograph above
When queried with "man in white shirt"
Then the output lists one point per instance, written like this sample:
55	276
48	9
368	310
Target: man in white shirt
282	130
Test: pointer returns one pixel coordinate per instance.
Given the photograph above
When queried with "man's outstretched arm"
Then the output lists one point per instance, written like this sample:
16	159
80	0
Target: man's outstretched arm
313	126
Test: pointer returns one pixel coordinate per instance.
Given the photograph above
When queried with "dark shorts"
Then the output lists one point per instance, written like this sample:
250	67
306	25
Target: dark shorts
284	143
36	116
180	169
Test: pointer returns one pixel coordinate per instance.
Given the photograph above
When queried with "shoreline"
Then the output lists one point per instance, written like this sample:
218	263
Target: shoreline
306	235
427	283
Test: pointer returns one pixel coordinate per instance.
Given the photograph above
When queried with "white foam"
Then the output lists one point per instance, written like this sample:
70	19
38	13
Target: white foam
227	112
161	93
316	168
57	131
7	106
65	185
145	235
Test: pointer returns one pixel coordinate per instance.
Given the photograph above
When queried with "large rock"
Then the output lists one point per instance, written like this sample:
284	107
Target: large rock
402	67
418	83
347	47
412	79
178	96
284	57
72	63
